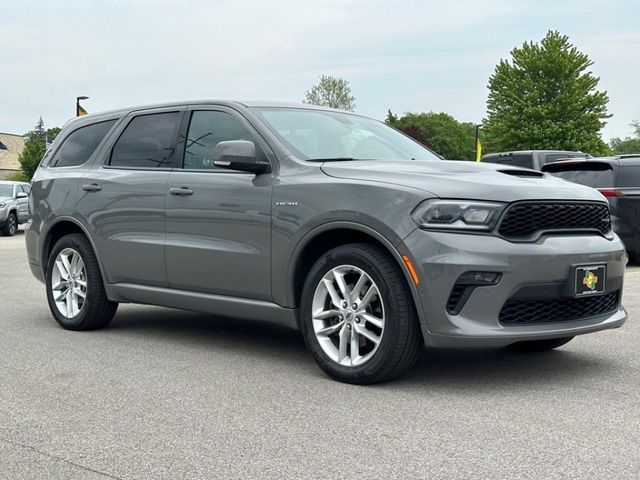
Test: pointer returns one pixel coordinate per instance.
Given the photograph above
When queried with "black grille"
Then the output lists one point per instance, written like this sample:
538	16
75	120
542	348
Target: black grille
456	297
521	312
524	220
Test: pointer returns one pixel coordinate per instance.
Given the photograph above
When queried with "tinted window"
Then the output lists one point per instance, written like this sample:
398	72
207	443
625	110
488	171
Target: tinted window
147	142
206	130
629	176
525	161
80	144
552	157
26	189
600	178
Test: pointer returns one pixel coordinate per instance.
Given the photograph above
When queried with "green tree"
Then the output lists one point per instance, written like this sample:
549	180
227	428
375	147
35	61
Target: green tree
331	92
439	131
628	145
546	98
35	147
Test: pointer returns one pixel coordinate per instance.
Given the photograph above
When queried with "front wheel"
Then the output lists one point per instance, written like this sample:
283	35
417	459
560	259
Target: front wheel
11	226
357	315
75	291
539	345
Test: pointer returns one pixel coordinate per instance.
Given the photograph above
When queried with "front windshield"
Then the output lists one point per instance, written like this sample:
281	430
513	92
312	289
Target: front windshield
325	135
6	190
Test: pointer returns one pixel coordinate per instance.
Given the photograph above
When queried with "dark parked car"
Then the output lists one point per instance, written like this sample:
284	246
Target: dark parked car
618	179
321	220
534	159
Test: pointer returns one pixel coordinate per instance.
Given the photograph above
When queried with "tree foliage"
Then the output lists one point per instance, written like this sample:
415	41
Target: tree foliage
628	145
331	92
35	148
439	131
546	98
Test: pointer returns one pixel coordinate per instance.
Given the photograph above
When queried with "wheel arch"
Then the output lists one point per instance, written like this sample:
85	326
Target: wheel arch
330	235
58	229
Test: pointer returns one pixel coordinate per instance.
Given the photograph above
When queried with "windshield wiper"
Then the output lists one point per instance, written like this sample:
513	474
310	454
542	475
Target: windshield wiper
334	159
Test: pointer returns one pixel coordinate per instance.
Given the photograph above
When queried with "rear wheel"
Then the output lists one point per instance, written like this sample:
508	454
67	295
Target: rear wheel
357	315
539	345
11	226
75	291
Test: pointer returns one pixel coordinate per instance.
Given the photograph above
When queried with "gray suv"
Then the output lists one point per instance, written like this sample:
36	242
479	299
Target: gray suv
14	206
321	220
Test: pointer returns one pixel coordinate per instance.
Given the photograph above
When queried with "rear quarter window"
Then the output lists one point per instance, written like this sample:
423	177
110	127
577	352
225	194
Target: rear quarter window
80	144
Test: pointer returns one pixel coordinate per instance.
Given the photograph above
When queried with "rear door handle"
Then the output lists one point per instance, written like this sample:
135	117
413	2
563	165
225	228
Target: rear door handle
93	187
183	191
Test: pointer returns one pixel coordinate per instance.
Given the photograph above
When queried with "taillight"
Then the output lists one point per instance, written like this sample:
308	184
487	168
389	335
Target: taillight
611	192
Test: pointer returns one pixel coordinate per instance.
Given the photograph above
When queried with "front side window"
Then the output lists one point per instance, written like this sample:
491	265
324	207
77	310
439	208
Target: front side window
327	135
208	128
147	142
80	144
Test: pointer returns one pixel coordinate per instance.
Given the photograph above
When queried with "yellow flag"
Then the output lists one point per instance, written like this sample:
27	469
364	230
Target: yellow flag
80	111
478	150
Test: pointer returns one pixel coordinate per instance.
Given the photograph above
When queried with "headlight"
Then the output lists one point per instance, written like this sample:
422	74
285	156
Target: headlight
457	214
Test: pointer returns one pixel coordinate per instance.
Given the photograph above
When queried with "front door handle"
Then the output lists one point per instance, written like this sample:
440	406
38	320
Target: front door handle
182	191
93	187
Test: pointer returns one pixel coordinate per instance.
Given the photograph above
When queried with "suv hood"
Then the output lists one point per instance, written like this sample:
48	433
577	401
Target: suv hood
464	180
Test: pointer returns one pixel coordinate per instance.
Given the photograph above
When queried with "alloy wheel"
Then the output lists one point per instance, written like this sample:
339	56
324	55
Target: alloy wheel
69	283
348	315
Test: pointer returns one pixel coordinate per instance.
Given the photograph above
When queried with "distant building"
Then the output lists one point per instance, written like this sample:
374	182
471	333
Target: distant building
10	148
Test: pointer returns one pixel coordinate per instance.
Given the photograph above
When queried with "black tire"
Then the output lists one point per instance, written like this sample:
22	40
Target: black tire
401	341
96	311
11	226
539	345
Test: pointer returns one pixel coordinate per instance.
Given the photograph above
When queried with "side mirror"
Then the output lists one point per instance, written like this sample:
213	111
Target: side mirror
22	195
239	155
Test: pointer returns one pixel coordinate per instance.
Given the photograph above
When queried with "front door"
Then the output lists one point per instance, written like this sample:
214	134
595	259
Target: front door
218	221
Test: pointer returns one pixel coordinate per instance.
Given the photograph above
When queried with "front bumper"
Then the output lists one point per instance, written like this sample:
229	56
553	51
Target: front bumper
442	257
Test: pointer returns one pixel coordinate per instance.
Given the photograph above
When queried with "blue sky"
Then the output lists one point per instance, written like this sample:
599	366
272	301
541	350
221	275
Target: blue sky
405	56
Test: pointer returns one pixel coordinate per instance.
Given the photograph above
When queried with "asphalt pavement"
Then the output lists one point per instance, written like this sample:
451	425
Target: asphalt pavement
163	393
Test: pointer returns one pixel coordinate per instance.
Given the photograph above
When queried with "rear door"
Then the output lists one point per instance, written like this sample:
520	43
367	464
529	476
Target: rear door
122	196
218	220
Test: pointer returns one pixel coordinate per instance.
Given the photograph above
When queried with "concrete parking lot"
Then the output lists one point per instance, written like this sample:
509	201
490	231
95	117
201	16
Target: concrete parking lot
168	394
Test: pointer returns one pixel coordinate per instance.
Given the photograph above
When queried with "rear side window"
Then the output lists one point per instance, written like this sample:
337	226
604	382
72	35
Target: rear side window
596	175
147	142
80	144
629	176
525	161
